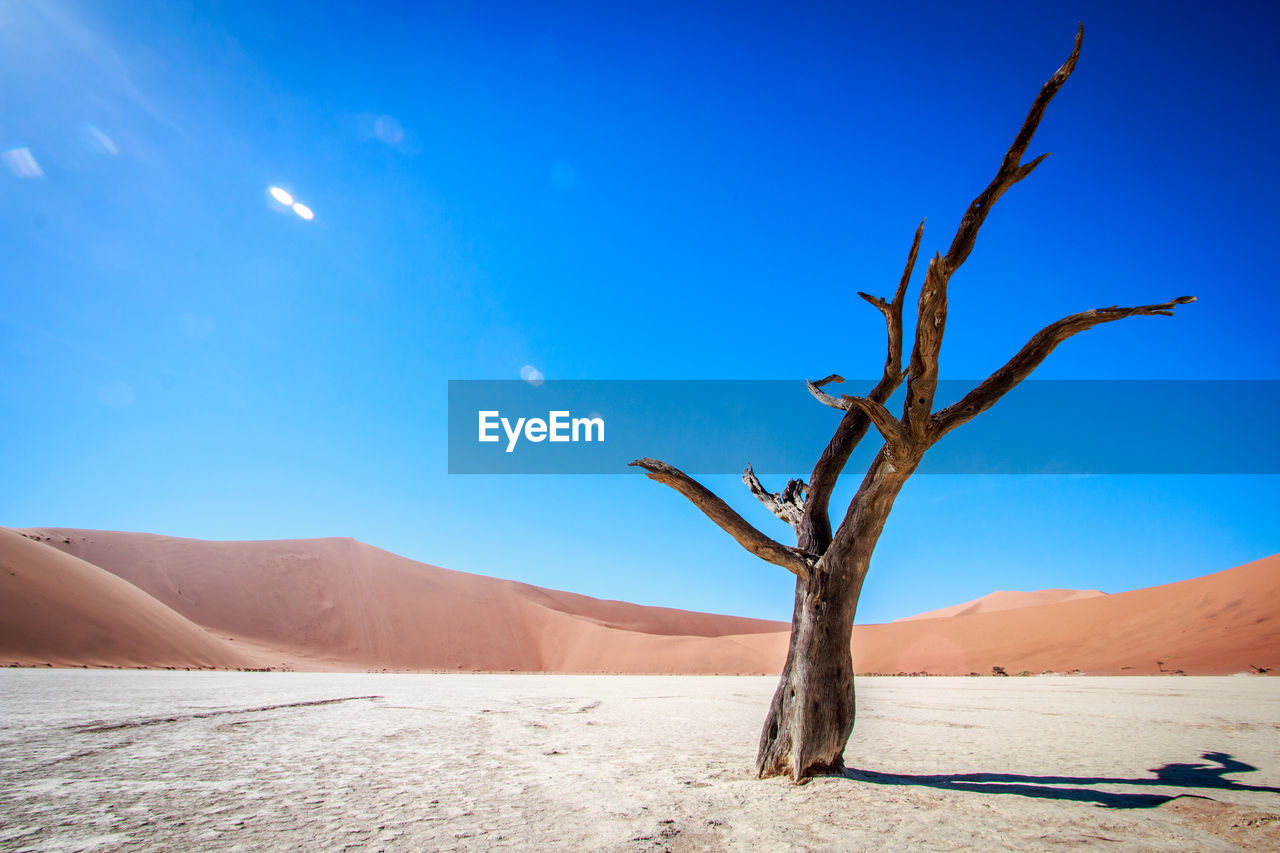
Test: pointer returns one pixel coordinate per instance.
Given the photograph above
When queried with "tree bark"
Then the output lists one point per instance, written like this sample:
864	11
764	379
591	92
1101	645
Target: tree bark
813	709
811	715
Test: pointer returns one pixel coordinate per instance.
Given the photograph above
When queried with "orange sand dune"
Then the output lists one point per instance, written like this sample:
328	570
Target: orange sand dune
60	610
1004	599
1213	625
338	604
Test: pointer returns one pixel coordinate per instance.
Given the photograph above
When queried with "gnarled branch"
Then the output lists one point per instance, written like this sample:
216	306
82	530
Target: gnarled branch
787	506
886	424
931	322
1012	169
815	388
815	528
1030	356
791	559
892	311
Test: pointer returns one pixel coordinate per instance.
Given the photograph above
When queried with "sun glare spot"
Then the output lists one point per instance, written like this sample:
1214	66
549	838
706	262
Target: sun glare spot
303	211
22	163
387	129
532	375
281	195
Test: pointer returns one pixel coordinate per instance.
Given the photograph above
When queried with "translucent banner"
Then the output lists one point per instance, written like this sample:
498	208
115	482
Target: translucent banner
719	426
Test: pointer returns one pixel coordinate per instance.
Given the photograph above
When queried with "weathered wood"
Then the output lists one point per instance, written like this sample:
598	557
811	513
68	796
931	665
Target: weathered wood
891	377
931	319
813	710
770	550
815	388
889	427
814	530
787	505
1030	356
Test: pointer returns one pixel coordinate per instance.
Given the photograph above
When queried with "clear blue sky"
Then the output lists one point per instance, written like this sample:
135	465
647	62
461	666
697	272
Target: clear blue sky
609	191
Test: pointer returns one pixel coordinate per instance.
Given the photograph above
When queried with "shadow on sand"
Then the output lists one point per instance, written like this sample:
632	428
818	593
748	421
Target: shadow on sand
1206	777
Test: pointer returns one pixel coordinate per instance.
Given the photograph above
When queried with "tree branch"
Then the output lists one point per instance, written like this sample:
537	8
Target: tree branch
815	388
787	506
815	528
888	426
1030	356
791	559
1011	168
931	323
892	311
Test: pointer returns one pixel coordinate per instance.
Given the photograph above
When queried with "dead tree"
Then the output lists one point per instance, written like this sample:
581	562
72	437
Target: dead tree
812	713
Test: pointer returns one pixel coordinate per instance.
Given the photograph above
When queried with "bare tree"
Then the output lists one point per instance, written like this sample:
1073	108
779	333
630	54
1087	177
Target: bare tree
812	713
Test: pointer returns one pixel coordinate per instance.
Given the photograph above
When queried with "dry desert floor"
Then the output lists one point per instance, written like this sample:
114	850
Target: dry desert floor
124	760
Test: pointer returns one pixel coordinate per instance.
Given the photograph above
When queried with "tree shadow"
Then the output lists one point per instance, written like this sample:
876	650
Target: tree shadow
1193	776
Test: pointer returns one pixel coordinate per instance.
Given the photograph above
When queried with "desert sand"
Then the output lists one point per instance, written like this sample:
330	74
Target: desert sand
134	761
101	598
68	612
339	604
1005	599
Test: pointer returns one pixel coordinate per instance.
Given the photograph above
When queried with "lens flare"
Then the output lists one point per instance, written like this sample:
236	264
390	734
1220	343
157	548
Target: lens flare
281	195
532	375
100	140
22	163
387	129
303	211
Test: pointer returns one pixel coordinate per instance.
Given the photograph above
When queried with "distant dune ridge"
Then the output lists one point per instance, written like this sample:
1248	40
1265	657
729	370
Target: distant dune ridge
101	598
1005	600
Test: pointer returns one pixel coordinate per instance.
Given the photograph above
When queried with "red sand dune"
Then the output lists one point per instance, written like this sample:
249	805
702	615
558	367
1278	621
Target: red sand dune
1218	624
1004	599
57	609
342	604
338	604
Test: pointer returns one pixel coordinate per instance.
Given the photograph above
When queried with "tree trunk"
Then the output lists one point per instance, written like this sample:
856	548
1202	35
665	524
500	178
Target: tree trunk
812	712
811	716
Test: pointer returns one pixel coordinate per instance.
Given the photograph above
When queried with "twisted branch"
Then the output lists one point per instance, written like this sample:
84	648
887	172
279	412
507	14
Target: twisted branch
815	388
787	506
931	322
1030	356
815	528
885	423
791	559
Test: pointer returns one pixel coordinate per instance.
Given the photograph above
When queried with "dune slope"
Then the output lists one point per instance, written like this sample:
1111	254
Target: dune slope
61	610
1217	624
338	604
1005	600
343	604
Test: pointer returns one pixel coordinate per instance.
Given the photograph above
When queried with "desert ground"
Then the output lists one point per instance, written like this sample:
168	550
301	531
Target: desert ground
116	760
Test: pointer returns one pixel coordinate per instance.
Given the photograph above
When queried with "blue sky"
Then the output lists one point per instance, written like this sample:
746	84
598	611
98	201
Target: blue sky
609	191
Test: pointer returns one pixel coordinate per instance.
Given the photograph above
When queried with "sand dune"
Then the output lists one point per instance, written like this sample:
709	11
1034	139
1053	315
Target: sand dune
339	604
1005	600
1213	625
61	610
342	604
